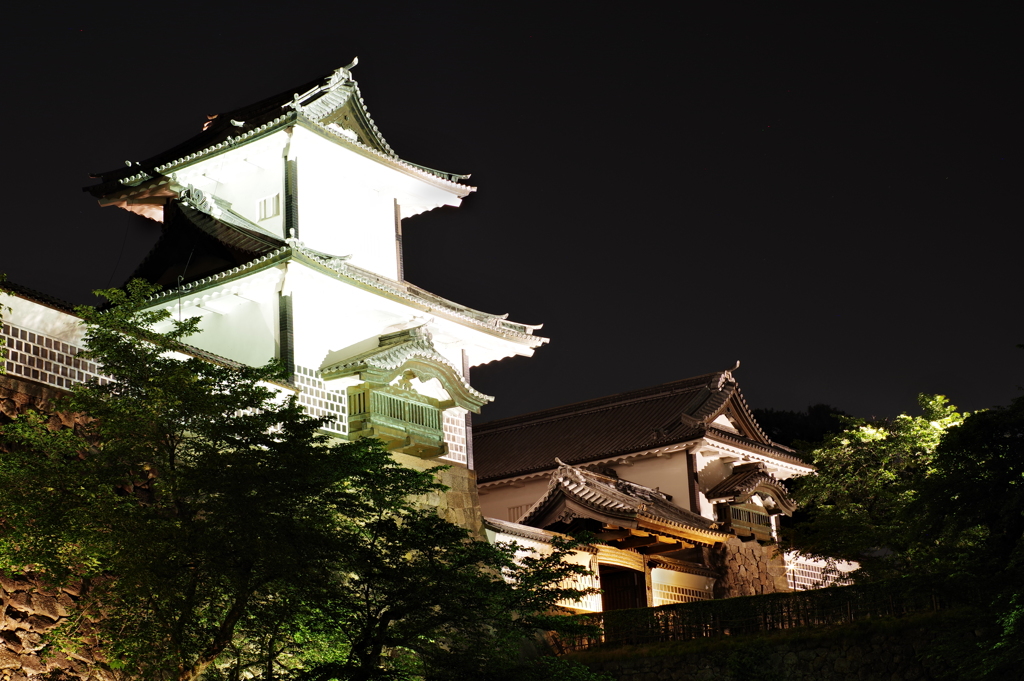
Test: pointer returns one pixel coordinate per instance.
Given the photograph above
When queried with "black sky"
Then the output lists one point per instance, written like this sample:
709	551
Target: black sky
832	198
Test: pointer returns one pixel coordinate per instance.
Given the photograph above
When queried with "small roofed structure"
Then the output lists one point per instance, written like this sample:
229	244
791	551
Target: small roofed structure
624	513
649	550
678	476
746	500
684	437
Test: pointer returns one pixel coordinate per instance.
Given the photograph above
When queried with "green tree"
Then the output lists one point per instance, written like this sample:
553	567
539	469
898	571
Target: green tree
973	503
195	484
219	531
859	504
935	496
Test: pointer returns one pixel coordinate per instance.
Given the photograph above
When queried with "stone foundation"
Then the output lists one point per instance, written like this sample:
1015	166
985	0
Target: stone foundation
460	505
26	613
747	569
27	610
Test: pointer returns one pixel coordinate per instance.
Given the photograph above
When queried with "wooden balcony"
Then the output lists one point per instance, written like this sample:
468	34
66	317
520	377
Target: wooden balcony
405	421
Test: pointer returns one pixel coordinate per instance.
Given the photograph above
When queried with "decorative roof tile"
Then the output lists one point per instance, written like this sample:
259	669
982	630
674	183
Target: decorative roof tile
632	504
397	350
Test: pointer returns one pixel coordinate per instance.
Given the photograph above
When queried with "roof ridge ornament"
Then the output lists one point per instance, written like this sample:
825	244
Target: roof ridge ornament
726	376
337	79
293	240
195	197
341	75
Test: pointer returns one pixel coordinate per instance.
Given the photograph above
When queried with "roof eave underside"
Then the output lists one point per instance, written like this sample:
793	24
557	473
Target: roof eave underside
374	283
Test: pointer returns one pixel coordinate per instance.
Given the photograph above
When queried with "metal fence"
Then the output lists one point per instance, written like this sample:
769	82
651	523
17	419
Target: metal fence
753	614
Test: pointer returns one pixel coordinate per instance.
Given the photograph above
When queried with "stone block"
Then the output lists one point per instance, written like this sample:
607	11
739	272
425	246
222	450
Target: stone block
41	623
9	659
11	584
65	604
10	640
32	664
31	640
74	589
46	605
21	601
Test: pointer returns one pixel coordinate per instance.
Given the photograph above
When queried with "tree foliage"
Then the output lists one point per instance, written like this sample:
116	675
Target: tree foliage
219	532
939	495
974	507
859	504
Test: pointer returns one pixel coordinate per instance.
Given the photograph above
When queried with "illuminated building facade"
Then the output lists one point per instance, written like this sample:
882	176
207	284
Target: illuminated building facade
678	481
282	230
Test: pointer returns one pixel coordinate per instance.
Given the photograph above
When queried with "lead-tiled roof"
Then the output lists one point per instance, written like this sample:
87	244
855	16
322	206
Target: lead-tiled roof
618	424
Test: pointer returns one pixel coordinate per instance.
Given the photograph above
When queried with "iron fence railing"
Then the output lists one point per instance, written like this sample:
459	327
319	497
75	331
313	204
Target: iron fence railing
752	614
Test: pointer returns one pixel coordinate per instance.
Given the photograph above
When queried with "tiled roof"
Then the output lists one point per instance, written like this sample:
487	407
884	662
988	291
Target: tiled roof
225	130
629	422
218	129
195	244
497	324
515	529
745	479
233	230
35	296
635	505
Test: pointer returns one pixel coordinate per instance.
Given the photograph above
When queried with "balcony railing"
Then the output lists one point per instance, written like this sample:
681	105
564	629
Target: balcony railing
407	424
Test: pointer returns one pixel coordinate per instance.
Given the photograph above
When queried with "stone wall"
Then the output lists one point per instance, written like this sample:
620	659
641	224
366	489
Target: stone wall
460	505
27	611
747	569
18	396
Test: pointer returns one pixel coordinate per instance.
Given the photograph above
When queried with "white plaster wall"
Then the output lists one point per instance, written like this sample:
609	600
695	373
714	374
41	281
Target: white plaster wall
37	318
682	579
247	334
590	603
668	475
344	205
330	314
494	503
238	319
347	201
243	177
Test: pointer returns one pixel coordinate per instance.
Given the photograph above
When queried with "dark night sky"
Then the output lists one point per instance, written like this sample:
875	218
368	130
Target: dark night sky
830	198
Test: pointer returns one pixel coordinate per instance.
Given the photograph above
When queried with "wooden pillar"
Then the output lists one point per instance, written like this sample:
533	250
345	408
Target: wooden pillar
649	583
399	253
693	485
